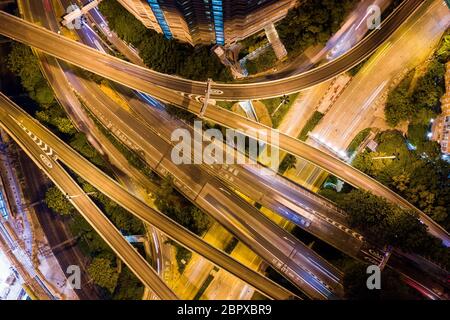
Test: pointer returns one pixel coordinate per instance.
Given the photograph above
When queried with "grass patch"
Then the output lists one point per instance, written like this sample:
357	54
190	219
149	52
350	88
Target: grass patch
310	125
225	104
357	140
263	62
272	105
205	284
231	245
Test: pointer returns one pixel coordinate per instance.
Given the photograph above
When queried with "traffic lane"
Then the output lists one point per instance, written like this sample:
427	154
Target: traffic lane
54	227
321	227
105	185
299	277
324	161
262	231
324	72
253	180
84	204
237	91
245	181
55	75
412	272
177	171
254	220
171	168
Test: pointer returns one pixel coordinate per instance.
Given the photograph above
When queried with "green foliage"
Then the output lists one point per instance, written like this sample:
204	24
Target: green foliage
121	218
263	62
132	156
423	103
330	194
171	203
310	125
55	117
161	54
312	23
182	254
103	273
355	277
388	224
443	52
90	242
417	136
273	103
80	143
398	105
357	140
57	201
288	162
23	63
128	286
419	176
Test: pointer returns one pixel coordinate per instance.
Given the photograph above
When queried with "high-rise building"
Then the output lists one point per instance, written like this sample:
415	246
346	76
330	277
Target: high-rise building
208	21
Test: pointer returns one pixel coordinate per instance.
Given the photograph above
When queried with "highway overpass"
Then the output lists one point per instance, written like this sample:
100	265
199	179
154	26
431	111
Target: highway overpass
105	65
132	76
13	120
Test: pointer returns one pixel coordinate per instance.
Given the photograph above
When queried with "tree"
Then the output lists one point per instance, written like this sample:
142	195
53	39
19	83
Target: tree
171	203
56	201
354	282
263	62
355	288
103	274
312	23
417	134
388	224
368	213
128	286
288	163
80	143
164	55
401	182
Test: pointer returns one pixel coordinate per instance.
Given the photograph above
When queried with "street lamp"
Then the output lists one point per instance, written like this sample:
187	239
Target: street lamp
79	195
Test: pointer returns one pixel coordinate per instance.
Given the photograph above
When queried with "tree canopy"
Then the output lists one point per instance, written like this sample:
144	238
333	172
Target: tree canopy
103	273
387	224
58	202
171	203
418	102
420	175
161	54
312	23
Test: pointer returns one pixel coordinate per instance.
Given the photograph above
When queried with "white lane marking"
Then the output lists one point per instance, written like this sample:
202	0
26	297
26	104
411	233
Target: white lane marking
41	144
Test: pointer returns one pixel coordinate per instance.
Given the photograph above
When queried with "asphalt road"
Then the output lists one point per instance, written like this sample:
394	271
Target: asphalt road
196	184
120	71
10	117
55	227
113	190
228	119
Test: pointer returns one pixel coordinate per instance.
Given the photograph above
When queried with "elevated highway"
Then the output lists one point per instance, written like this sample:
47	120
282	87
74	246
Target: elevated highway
13	120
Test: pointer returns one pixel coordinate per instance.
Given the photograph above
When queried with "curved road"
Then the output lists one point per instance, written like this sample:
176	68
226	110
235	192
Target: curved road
105	64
